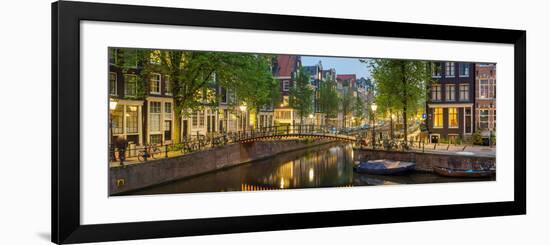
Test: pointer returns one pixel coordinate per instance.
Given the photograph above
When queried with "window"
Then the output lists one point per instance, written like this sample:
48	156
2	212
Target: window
468	120
436	92
154	57
453	118
117	120
131	119
129	57
156	139
286	85
112	56
449	69
483	118
223	95
167	85
130	88
494	119
464	92
194	119
282	115
450	92
112	83
201	118
168	110
154	83
154	116
438	118
486	89
167	130
463	70
436	70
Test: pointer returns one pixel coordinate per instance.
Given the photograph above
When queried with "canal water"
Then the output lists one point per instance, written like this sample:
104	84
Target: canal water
325	166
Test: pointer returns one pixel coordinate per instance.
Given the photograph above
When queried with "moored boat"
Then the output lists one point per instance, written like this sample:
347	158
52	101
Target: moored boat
384	167
470	173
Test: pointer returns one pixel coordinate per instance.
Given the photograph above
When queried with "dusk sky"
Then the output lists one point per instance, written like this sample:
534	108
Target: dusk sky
342	65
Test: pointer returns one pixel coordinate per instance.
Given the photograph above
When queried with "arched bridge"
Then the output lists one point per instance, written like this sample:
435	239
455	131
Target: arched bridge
295	131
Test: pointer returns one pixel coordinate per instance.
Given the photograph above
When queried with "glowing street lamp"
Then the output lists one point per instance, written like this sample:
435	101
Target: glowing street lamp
243	110
112	104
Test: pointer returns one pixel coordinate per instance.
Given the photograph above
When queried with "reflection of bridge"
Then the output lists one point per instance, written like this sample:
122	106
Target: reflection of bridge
296	131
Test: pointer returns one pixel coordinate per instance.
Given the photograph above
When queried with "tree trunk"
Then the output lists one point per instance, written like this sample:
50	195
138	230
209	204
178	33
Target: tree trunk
404	79
177	129
391	125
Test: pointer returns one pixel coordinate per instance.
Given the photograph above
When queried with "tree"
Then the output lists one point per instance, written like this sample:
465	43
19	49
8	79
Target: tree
194	76
359	109
346	102
328	98
301	95
401	86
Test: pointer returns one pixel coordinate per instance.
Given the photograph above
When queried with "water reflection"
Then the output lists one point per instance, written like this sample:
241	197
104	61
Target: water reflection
326	166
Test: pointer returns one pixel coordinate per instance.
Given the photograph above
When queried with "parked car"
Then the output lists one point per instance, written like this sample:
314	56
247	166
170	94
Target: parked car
365	126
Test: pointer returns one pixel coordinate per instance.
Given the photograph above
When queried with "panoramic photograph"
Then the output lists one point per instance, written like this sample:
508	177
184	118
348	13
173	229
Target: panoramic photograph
186	121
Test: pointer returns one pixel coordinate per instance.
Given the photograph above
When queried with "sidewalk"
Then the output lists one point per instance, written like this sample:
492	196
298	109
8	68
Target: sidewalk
467	150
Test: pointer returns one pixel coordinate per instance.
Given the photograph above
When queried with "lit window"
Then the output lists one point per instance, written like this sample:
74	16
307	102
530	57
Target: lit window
464	92
453	118
285	100
112	83
449	69
438	118
130	88
117	120
450	93
154	83
131	119
154	116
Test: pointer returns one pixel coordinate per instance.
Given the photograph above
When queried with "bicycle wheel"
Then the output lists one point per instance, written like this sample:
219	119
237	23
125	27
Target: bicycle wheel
155	153
141	156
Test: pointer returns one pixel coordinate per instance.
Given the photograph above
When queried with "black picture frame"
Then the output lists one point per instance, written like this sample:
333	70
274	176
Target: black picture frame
66	18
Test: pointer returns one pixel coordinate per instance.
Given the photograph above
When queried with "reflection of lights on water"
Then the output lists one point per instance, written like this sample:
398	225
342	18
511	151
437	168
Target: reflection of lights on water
311	174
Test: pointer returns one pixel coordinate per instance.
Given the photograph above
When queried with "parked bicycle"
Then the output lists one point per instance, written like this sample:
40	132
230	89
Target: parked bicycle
150	151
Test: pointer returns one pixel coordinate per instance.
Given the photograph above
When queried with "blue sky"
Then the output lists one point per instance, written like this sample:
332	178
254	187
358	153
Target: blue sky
342	65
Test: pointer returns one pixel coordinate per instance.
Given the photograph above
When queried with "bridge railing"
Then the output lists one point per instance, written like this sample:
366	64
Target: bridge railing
122	153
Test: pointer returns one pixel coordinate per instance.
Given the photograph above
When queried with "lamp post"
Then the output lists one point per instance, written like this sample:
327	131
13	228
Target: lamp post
112	106
373	108
243	110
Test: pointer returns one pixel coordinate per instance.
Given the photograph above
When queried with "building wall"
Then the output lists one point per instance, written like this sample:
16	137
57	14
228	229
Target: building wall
443	80
485	98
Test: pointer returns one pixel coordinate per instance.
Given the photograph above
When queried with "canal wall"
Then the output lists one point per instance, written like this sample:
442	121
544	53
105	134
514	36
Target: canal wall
154	172
427	161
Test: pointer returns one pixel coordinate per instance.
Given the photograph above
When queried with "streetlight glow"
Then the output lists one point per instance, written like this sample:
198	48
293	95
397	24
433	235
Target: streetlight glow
373	107
112	104
242	108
